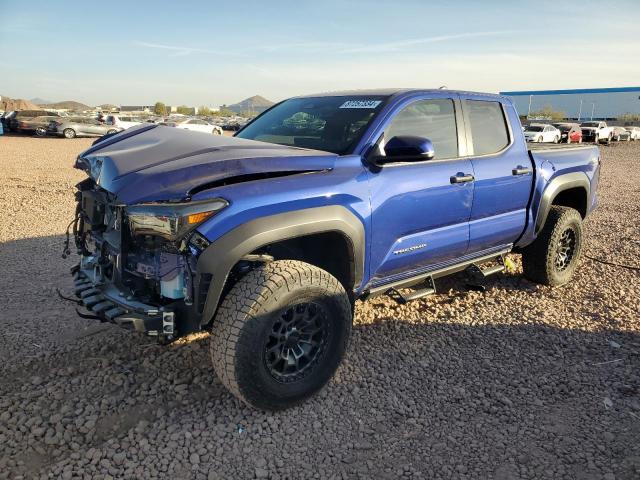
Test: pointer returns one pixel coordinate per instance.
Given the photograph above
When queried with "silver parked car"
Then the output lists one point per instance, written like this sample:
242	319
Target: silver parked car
80	127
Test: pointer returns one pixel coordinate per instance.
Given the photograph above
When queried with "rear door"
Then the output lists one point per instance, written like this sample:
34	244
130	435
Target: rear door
420	210
503	174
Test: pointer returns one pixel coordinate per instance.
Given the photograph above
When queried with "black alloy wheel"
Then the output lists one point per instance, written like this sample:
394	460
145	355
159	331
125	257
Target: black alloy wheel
566	249
296	342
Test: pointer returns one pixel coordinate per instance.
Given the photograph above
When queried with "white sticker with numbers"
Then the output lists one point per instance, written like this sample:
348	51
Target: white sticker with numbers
361	104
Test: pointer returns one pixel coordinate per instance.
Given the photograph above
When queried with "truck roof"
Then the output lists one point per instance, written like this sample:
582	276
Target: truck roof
392	92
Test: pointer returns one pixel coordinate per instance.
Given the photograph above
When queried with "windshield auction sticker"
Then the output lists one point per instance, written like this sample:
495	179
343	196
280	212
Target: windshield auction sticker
361	104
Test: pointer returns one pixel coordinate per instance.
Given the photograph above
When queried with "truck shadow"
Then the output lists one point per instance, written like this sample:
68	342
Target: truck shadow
428	377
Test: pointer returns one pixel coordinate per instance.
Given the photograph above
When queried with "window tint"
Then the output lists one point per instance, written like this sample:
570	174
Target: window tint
433	119
488	126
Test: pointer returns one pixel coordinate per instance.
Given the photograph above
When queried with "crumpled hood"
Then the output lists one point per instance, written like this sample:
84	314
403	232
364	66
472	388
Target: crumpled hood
157	163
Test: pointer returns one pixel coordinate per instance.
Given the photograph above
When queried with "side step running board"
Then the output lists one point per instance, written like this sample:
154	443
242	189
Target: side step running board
426	279
429	289
478	271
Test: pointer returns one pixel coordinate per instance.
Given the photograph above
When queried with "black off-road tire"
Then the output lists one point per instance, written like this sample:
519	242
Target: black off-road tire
255	308
540	259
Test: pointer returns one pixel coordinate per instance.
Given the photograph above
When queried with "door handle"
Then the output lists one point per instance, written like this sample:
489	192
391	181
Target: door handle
462	178
520	170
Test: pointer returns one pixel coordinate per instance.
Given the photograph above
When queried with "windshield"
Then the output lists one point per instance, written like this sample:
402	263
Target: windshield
333	124
531	128
563	128
590	124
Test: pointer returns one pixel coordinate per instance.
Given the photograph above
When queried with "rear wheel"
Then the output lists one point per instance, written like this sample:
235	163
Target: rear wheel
568	139
280	334
553	257
41	131
556	139
69	133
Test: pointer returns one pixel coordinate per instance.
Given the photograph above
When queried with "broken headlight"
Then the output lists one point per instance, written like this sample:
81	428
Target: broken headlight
171	221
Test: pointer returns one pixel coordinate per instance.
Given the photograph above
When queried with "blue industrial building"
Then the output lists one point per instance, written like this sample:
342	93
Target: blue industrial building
580	104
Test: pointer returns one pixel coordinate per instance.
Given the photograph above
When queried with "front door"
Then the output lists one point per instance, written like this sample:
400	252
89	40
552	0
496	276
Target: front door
420	211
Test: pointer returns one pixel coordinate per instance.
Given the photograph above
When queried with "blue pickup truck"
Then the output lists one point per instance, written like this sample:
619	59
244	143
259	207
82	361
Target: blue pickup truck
268	238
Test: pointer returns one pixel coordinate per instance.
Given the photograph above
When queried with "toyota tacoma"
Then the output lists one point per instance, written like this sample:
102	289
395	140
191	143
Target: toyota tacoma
268	238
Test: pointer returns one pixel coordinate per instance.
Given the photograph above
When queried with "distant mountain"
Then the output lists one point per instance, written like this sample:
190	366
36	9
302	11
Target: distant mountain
68	105
41	101
255	104
7	104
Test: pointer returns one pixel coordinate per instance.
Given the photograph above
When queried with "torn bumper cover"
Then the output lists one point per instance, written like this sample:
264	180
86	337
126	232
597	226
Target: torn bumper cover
109	304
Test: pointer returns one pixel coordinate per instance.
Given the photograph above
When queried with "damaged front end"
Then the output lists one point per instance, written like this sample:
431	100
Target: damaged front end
137	262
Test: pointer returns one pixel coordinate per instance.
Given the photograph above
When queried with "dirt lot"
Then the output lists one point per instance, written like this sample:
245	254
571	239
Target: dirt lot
517	382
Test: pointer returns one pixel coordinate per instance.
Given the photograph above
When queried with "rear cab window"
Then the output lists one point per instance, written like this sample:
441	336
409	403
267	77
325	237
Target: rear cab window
487	125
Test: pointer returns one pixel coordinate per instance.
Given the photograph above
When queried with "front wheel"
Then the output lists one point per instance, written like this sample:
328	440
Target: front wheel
568	139
41	131
69	133
280	334
553	257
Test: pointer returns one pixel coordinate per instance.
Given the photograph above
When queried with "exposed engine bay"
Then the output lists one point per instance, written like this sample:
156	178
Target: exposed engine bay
127	277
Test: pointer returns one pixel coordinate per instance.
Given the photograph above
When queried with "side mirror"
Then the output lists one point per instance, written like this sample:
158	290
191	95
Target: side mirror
406	148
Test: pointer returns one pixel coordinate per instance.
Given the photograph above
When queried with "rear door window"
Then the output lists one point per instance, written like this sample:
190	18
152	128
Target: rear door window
434	119
488	126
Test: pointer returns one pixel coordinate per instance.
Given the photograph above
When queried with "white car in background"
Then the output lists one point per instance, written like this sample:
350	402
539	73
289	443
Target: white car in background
197	125
122	122
635	132
540	132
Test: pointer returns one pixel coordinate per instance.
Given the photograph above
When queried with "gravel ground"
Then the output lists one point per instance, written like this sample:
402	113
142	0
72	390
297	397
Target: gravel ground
520	381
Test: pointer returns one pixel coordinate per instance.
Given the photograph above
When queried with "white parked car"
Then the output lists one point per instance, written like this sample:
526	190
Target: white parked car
539	132
122	122
635	132
598	132
197	125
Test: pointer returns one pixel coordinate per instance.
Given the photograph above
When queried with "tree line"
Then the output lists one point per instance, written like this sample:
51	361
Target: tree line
161	109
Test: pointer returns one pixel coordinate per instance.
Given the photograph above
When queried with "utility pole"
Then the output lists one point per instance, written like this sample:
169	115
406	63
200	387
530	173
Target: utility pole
593	107
529	112
580	112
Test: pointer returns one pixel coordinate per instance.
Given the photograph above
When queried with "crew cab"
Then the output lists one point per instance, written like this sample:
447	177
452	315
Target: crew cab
267	239
597	132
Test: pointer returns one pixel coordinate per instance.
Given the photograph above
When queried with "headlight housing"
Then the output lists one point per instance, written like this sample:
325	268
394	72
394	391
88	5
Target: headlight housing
171	221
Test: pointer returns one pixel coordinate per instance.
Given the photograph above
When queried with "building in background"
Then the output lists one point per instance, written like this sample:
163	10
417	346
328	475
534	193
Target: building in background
579	104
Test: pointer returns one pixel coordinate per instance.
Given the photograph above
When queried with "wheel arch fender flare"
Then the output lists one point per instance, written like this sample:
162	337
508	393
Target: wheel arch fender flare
557	185
223	254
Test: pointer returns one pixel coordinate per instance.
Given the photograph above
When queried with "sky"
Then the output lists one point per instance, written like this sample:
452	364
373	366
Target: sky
212	53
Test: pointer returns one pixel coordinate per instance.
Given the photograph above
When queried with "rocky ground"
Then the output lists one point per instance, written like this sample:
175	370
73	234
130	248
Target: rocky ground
518	382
